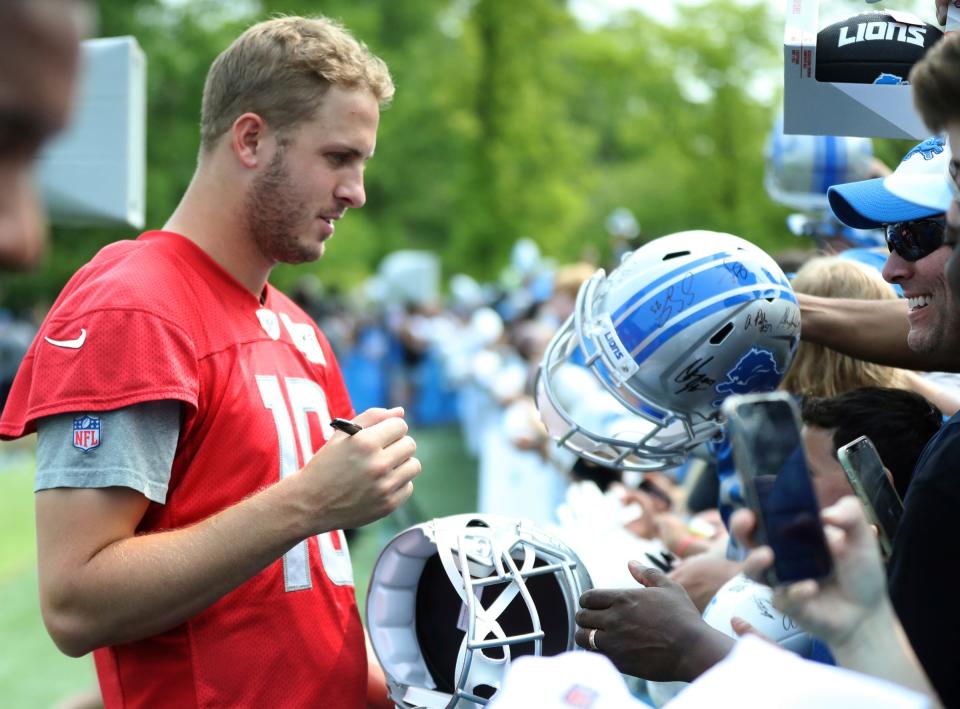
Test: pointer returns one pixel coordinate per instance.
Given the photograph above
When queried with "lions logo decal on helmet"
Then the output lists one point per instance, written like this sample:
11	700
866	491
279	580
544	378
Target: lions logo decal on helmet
683	322
756	371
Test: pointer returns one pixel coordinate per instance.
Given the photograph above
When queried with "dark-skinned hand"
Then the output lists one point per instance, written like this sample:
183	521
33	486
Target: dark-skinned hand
654	631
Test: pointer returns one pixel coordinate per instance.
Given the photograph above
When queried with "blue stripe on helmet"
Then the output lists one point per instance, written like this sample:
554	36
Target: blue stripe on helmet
816	167
781	279
665	278
828	174
667	334
670	301
844	148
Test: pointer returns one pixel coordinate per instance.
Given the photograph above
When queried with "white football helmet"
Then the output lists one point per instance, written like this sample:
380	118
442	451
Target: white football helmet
680	324
800	168
454	600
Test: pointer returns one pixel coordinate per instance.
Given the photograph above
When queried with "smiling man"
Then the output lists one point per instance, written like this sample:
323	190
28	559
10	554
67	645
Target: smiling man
191	491
924	333
914	234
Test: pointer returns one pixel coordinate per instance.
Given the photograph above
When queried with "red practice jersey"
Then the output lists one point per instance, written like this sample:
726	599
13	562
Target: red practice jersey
156	318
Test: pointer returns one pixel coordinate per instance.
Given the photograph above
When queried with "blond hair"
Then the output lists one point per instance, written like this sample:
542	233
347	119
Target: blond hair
570	277
818	370
281	69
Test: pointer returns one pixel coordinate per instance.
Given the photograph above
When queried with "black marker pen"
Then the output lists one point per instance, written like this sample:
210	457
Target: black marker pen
348	427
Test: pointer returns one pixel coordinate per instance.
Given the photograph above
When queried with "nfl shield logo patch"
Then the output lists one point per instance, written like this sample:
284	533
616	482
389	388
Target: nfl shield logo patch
86	432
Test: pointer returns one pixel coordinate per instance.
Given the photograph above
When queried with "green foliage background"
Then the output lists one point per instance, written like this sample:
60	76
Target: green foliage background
511	119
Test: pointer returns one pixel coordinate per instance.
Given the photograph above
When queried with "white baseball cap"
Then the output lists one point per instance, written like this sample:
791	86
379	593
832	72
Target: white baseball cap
917	189
929	187
571	680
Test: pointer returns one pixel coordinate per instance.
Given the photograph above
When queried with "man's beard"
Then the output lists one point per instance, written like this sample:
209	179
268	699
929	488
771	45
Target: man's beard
275	218
940	337
953	275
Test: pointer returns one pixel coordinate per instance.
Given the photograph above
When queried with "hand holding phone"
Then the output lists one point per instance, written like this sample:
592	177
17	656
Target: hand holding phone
770	459
872	484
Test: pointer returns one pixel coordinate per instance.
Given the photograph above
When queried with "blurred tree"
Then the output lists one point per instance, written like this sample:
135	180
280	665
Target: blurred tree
510	120
530	160
684	119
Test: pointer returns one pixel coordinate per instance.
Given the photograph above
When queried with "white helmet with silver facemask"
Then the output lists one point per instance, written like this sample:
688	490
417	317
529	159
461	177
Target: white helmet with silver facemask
454	600
679	325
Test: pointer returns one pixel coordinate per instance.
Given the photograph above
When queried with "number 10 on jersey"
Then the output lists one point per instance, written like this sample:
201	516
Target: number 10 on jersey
305	397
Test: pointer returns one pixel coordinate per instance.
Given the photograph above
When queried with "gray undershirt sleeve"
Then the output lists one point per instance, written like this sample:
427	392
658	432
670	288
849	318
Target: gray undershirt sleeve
135	449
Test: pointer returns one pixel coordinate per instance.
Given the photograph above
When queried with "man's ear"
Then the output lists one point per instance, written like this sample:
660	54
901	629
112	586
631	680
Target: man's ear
247	136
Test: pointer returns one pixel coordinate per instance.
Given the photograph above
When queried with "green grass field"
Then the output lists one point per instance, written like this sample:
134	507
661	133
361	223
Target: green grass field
33	673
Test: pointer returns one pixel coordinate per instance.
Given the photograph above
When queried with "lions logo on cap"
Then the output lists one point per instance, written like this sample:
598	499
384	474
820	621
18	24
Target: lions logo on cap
929	149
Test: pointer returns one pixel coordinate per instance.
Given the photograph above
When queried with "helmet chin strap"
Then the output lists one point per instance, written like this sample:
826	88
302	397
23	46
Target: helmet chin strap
474	667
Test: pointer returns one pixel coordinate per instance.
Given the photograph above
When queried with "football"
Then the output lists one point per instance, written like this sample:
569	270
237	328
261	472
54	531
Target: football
873	48
754	603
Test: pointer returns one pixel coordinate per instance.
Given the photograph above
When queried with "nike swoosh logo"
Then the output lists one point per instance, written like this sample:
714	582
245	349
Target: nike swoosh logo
72	344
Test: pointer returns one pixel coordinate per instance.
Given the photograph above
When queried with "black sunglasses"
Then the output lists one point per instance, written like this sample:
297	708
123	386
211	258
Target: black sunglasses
914	240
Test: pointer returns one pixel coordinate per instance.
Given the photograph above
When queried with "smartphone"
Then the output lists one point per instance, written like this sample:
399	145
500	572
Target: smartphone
873	486
769	457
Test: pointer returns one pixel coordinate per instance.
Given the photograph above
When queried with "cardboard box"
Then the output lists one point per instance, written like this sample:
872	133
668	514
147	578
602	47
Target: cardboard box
812	107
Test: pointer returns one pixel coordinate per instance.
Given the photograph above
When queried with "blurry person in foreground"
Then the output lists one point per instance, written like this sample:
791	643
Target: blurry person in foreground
39	47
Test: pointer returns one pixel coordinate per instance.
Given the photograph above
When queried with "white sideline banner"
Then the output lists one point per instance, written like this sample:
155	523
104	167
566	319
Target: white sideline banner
94	172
